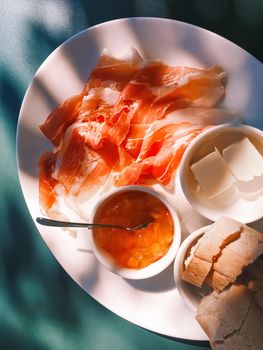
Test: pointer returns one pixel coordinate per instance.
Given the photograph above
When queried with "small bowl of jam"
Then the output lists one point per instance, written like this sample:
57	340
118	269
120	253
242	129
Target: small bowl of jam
141	253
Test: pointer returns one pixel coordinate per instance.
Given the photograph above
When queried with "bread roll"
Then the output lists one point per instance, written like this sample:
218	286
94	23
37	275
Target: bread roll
231	319
252	277
217	281
231	315
205	252
236	256
222	253
221	233
196	271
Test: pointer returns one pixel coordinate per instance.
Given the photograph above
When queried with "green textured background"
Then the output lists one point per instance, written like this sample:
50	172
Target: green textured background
41	308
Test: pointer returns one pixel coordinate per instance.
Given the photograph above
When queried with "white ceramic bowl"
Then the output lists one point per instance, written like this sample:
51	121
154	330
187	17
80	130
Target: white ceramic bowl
154	268
244	207
191	294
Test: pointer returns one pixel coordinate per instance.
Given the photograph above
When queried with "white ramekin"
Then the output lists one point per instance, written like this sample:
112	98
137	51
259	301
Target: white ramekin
246	207
191	294
154	268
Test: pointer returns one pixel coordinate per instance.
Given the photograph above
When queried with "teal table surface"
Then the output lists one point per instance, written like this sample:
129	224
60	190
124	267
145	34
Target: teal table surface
41	307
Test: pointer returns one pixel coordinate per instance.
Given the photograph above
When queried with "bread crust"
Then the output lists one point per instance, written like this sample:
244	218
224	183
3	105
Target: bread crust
221	314
217	281
248	337
199	263
237	255
220	234
232	315
229	264
196	271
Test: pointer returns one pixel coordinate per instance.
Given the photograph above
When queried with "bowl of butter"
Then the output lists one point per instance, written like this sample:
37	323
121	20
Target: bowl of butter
221	173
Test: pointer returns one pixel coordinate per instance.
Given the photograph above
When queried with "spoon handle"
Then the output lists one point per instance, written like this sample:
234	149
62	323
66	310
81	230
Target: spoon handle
57	223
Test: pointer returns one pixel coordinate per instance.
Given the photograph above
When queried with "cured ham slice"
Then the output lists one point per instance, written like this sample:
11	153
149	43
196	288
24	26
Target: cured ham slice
163	143
112	72
159	89
47	183
130	124
134	138
161	152
79	165
61	118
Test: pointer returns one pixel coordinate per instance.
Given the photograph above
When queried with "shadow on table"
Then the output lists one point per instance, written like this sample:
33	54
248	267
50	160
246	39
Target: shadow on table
27	281
199	344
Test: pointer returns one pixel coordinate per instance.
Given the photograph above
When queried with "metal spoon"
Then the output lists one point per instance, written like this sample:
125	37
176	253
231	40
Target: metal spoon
57	223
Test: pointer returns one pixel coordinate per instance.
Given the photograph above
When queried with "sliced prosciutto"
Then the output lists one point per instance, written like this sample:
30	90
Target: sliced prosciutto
161	152
157	90
61	118
130	124
112	72
47	182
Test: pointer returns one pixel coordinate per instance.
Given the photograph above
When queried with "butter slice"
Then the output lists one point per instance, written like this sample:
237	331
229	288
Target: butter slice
212	174
243	160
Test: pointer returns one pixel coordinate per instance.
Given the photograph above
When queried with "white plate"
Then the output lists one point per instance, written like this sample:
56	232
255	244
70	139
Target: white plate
153	303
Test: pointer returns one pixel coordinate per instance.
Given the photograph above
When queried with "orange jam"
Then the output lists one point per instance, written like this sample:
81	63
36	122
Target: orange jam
134	249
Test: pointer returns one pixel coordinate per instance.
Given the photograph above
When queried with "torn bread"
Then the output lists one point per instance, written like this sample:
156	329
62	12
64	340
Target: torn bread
221	233
248	337
217	281
221	314
231	319
197	271
199	262
252	277
236	256
256	288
